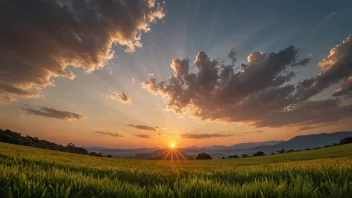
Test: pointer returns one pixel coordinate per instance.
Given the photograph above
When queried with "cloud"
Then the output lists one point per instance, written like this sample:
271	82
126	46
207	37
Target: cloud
345	87
258	92
143	127
306	128
253	132
53	113
335	67
248	132
142	136
124	98
109	134
204	135
330	15
42	40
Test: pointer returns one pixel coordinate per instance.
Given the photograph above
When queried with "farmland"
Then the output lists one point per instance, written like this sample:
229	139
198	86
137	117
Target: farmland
33	172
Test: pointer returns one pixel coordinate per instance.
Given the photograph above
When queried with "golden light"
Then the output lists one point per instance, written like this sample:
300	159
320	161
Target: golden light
172	145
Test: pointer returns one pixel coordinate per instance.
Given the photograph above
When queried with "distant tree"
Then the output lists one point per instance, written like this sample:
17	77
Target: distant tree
233	156
244	155
202	156
70	144
9	136
290	151
108	155
223	158
334	144
327	146
347	140
281	151
259	153
307	149
272	153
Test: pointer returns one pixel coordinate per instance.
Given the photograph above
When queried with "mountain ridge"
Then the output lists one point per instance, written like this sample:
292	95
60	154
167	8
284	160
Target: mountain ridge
300	142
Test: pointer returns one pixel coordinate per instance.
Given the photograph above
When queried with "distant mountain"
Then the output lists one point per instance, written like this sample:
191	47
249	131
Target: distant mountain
217	151
315	140
304	141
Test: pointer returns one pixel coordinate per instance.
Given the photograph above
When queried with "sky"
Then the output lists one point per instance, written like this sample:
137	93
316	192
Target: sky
132	74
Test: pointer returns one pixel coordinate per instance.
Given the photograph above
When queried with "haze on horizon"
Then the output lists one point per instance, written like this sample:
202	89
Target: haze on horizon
131	74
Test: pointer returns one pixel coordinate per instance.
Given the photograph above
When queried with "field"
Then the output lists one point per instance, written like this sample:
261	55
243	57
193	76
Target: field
32	172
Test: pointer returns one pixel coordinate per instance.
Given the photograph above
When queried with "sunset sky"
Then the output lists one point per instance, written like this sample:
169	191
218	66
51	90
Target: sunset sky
229	71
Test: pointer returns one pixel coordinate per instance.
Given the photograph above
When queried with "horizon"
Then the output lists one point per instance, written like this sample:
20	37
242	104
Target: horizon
150	74
178	147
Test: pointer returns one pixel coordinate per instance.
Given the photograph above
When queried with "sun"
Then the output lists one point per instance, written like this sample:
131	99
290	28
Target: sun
172	145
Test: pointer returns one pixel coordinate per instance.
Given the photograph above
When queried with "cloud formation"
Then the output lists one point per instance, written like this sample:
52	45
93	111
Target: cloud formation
142	136
40	39
109	134
144	127
53	113
253	132
203	135
336	66
306	128
258	92
124	98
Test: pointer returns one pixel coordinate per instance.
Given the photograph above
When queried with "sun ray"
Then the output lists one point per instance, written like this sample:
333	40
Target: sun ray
167	154
182	156
172	155
164	152
177	156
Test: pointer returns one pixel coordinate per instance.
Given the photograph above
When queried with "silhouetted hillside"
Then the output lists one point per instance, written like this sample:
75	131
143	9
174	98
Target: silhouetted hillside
16	138
303	142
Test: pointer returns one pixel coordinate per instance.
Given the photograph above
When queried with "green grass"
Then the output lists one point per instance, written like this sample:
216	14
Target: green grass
32	172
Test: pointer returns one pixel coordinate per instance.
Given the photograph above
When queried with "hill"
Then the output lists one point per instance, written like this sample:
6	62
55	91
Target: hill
34	172
303	142
9	136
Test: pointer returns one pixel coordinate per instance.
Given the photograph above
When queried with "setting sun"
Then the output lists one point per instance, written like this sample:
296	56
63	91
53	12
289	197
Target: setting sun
172	145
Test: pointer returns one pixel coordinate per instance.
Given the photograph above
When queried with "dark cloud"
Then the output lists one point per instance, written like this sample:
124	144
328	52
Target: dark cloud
257	92
248	132
40	39
143	127
124	98
336	66
53	113
305	128
308	113
109	134
345	88
253	132
204	135
142	136
8	92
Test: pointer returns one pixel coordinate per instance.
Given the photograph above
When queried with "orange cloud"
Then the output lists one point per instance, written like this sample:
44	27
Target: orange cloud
258	92
124	98
53	113
39	46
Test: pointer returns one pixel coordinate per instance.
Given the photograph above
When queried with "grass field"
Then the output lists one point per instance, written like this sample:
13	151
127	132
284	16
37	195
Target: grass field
32	172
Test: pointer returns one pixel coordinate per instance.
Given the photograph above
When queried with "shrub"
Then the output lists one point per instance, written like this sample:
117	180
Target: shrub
347	140
202	156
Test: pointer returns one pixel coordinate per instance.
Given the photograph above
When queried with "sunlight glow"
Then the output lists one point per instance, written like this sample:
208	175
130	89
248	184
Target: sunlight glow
172	145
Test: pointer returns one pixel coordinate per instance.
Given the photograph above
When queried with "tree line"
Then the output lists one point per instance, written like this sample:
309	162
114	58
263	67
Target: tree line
11	137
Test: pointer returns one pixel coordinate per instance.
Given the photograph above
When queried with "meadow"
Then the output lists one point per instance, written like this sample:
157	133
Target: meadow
33	172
